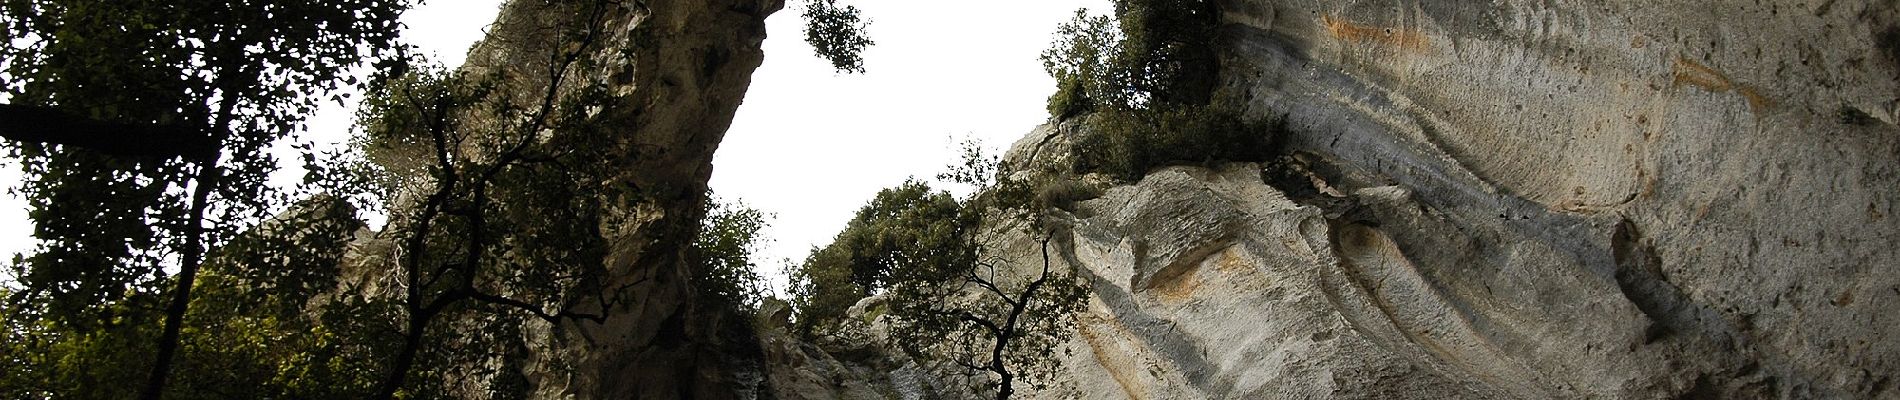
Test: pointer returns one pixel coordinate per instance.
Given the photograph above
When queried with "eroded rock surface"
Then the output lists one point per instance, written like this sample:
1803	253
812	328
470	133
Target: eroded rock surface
676	71
1519	200
1502	199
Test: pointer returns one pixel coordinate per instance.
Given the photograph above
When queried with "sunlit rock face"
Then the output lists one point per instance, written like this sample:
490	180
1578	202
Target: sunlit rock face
1502	199
1510	199
1210	284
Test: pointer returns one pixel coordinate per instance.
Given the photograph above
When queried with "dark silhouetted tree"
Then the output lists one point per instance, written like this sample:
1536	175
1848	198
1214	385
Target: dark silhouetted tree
142	126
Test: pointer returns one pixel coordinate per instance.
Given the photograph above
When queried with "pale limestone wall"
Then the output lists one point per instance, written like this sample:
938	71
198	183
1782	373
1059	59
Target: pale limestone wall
1536	200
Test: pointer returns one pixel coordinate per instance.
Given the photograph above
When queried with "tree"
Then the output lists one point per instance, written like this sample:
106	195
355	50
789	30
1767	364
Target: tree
470	250
954	303
140	121
1168	47
837	34
1150	53
503	226
267	322
822	290
901	227
270	320
501	215
991	313
1140	84
1082	62
982	319
905	226
728	237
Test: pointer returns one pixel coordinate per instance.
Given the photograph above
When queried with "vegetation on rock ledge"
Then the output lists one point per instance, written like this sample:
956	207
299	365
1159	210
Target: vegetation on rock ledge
1141	85
952	300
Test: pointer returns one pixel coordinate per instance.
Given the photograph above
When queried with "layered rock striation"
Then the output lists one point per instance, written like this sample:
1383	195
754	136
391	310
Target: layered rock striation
1505	199
1518	200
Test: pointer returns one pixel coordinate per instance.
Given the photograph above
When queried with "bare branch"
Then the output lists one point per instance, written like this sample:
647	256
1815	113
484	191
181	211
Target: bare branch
991	287
533	309
966	316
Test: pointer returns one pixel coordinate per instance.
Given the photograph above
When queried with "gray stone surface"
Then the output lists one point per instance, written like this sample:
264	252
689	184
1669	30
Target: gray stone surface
1478	199
1210	284
1528	200
677	70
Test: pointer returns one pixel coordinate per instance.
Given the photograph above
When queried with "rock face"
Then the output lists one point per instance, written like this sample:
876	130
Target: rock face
1210	284
1519	199
854	368
677	70
1502	199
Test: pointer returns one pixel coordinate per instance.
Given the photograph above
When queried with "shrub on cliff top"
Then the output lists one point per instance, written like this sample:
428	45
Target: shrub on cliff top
1127	144
1141	84
1150	53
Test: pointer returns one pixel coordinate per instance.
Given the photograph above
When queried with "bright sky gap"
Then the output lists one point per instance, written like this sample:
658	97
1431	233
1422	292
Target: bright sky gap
809	145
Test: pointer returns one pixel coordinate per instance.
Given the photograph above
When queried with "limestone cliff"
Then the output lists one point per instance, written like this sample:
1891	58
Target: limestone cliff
679	69
1500	199
1519	199
676	71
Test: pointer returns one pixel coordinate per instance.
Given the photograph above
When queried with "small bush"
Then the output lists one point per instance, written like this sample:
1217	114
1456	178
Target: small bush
1127	144
728	236
1151	53
904	231
821	290
1070	99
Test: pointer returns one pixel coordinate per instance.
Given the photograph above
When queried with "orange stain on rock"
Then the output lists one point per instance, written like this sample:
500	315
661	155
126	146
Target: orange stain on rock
1402	38
1112	358
1689	72
1756	102
1180	288
1693	73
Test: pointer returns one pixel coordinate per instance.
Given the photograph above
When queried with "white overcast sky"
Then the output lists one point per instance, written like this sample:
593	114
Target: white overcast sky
810	146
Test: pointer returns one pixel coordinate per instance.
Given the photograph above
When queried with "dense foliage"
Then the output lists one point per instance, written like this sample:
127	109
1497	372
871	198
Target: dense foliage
142	126
1149	53
1141	85
837	34
243	76
954	302
265	323
1127	144
821	291
729	236
901	229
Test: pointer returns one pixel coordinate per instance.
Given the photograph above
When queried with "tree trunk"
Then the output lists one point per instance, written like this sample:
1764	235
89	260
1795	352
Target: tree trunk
189	261
207	179
405	360
1007	388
